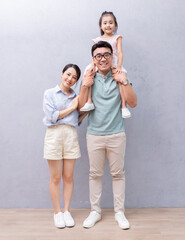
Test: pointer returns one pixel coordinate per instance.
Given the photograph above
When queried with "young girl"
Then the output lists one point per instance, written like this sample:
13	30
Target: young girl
108	27
61	147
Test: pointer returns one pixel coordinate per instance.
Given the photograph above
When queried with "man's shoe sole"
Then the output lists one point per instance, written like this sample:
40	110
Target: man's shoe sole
60	227
92	225
125	228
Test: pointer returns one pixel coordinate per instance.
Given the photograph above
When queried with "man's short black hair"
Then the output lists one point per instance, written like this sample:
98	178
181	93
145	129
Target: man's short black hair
101	44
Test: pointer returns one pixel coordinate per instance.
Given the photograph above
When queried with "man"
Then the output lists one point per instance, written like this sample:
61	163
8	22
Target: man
105	132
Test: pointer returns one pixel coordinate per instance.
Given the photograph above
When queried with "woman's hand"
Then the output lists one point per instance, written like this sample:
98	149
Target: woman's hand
75	102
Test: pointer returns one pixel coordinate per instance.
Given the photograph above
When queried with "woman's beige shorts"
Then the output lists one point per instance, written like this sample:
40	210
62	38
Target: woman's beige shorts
61	142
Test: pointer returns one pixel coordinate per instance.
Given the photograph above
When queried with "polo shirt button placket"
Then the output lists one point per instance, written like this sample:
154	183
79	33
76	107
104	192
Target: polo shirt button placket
105	84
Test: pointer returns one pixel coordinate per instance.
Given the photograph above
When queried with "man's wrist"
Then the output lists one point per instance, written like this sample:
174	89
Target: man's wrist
83	85
125	81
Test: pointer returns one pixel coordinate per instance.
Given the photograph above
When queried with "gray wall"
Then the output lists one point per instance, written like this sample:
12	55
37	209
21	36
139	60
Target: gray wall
38	37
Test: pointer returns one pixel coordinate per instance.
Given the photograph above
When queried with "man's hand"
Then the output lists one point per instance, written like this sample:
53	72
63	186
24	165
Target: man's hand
119	77
87	81
92	68
129	94
118	69
88	78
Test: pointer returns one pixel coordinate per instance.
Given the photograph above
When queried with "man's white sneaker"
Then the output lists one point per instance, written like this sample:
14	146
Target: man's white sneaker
93	218
87	107
69	221
126	113
59	220
122	221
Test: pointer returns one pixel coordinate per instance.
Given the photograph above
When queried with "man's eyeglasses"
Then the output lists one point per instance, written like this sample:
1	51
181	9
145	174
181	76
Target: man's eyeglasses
99	56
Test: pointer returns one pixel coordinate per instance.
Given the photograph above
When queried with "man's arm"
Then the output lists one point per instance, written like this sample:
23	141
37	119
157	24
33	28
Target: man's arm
87	81
129	93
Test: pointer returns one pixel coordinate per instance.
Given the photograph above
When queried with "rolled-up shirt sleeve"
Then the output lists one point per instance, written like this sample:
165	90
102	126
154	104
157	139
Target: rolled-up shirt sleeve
49	108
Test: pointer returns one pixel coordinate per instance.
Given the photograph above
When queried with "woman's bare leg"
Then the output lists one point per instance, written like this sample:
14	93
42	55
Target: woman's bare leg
67	175
55	167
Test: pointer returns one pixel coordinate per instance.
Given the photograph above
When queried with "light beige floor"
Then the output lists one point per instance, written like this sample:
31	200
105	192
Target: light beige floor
146	224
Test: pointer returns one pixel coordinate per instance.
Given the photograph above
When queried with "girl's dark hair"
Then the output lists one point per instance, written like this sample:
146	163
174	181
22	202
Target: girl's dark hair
78	71
100	21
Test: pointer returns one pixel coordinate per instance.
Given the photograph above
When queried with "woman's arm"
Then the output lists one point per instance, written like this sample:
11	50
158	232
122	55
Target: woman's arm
67	111
49	107
54	114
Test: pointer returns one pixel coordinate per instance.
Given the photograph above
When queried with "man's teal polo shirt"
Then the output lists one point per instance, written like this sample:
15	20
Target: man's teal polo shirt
106	118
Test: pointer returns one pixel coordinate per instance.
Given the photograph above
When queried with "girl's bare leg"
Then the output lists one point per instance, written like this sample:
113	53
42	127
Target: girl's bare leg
89	96
122	95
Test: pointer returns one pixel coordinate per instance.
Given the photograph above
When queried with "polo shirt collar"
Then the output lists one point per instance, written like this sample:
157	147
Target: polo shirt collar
109	74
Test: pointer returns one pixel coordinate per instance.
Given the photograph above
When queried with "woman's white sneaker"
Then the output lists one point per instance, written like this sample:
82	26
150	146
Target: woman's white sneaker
59	220
122	221
92	219
69	221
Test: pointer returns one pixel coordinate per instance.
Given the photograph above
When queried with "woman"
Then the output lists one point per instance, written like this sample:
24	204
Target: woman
61	145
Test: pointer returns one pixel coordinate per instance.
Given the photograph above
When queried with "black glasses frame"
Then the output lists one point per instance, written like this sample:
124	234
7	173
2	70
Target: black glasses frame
99	56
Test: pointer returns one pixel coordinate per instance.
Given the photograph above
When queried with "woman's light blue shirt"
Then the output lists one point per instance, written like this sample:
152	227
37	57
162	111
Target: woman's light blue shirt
54	101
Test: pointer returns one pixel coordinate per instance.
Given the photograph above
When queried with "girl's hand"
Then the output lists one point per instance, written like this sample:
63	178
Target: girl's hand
118	70
75	102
